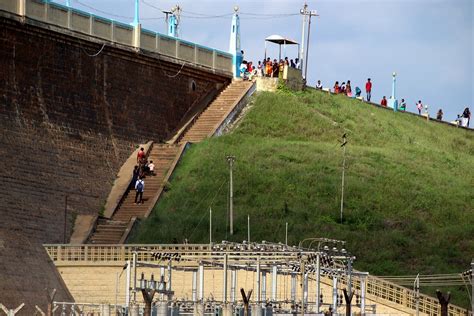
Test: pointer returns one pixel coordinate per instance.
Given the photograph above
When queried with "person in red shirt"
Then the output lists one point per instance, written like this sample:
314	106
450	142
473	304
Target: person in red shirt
336	87
383	102
141	155
368	89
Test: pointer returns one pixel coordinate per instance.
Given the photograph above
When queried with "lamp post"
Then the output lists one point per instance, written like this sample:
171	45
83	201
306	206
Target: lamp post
393	102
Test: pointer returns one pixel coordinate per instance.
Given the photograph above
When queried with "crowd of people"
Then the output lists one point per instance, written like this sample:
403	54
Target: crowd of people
267	68
142	169
345	88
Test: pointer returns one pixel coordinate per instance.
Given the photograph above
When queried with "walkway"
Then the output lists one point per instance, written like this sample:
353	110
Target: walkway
166	156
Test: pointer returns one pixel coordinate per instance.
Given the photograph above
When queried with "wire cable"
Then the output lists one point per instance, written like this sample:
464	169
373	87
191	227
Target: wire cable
102	11
95	54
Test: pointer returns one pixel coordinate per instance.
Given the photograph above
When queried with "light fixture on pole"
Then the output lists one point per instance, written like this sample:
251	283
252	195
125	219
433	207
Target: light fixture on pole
393	102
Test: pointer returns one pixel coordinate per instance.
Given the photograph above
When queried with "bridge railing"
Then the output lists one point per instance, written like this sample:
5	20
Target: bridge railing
120	33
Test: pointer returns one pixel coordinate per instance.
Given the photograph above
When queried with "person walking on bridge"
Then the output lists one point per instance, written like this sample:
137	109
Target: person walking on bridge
139	188
368	89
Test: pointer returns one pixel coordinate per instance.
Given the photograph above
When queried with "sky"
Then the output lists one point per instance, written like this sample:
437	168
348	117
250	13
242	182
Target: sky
428	43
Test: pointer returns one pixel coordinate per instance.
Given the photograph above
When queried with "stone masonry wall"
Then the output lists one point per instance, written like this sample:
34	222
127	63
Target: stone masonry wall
69	120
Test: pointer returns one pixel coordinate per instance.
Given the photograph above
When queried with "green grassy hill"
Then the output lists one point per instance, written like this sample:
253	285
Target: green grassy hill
409	184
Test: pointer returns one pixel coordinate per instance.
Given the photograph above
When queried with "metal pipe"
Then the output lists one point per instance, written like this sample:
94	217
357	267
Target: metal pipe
264	286
318	282
334	294
258	282
274	283
224	293
362	295
302	265
135	277
293	288
201	282
169	276
194	293
233	285
127	288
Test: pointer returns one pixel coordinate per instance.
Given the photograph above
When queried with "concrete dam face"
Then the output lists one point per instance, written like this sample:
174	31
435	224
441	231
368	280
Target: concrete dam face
73	108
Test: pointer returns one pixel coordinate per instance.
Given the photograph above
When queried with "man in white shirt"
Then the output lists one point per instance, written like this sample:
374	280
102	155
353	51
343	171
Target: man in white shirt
319	85
139	188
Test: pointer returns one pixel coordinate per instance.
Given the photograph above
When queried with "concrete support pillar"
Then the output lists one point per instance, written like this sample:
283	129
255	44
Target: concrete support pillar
274	283
137	31
22	7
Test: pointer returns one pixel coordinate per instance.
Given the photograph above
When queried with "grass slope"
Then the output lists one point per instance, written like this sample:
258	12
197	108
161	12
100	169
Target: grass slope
409	185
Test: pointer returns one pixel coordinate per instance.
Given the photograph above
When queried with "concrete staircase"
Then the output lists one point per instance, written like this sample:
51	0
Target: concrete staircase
110	231
165	158
212	117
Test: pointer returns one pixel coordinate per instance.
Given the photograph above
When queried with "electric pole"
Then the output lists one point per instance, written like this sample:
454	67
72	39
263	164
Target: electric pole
303	12
306	13
231	160
343	145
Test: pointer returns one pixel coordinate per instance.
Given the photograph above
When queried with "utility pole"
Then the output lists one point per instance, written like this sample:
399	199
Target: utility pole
310	14
303	12
343	145
231	160
248	228
306	13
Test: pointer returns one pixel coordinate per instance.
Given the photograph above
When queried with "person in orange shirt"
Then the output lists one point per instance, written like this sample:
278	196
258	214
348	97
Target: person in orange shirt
336	87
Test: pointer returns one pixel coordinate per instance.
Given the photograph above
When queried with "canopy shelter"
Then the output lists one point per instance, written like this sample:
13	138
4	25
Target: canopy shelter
280	40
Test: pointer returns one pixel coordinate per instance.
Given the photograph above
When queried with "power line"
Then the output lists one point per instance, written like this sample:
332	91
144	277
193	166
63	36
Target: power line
102	11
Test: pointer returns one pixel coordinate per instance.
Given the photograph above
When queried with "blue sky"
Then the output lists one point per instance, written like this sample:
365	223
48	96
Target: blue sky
429	43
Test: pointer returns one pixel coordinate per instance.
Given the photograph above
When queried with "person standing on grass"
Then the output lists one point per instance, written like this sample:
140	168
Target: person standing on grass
383	102
466	117
403	105
419	107
368	89
319	86
336	87
139	188
439	115
349	89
